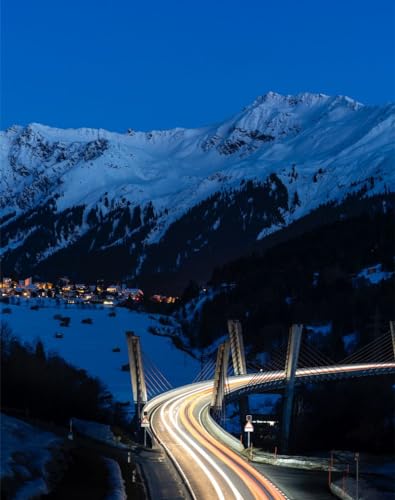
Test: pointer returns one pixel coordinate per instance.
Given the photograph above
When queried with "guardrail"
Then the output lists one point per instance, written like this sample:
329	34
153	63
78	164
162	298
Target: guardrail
217	431
338	492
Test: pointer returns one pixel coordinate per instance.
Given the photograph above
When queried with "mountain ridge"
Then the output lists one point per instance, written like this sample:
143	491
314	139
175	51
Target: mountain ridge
313	148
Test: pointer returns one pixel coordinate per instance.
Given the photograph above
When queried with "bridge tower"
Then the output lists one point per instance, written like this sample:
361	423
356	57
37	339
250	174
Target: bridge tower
136	372
237	347
221	371
239	363
294	341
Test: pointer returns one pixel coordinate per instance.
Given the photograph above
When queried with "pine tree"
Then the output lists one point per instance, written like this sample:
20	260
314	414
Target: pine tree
39	351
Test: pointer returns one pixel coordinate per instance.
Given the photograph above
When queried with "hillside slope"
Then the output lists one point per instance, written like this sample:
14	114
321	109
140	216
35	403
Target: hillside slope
168	202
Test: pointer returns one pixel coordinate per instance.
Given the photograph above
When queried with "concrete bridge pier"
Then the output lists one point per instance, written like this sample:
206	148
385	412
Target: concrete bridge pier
137	376
237	347
239	363
221	371
294	341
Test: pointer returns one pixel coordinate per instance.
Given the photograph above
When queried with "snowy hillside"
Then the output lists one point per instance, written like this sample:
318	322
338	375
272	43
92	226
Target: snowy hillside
118	196
26	451
90	346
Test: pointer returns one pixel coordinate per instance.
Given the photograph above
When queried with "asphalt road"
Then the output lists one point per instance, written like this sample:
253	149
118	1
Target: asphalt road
298	484
160	477
213	471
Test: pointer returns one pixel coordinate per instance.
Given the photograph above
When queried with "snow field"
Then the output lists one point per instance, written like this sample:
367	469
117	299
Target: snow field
90	346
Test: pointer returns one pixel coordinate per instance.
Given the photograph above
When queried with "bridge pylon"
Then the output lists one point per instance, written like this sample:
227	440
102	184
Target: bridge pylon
294	341
238	362
137	377
221	371
237	347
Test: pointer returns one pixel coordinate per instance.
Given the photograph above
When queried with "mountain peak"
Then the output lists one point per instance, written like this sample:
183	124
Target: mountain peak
303	98
102	190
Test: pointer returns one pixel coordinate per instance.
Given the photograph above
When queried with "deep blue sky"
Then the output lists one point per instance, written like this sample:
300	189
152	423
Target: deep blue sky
164	63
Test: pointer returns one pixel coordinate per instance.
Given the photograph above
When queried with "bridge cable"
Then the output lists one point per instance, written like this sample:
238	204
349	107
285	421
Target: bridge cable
210	369
322	358
160	375
260	376
154	382
365	348
375	355
205	368
206	372
373	346
156	370
152	387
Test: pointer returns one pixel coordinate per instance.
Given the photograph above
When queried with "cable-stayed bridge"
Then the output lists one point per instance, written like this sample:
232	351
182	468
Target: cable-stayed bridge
185	420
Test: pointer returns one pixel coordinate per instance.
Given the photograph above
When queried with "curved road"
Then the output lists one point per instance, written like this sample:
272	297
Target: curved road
210	469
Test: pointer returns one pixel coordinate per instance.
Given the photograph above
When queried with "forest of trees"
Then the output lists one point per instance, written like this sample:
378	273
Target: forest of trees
45	386
313	279
310	279
354	414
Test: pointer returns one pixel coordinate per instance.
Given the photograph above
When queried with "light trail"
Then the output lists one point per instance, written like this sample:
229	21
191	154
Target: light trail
210	469
205	455
183	442
176	416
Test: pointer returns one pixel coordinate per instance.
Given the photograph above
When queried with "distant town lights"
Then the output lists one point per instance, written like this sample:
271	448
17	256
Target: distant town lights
78	293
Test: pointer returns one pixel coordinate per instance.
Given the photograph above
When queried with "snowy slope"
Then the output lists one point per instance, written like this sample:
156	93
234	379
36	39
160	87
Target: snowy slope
25	453
320	148
91	346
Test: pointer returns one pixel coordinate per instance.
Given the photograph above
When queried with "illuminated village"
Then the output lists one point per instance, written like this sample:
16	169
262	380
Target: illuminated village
67	292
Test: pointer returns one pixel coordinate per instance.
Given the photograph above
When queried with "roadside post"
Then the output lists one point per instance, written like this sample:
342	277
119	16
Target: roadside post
70	435
357	476
145	424
248	428
345	474
330	470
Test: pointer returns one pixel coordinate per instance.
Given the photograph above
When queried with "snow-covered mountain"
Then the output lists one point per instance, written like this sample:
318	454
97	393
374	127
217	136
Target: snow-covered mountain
93	202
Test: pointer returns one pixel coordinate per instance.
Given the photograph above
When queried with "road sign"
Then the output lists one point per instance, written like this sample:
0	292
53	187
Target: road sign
144	422
248	427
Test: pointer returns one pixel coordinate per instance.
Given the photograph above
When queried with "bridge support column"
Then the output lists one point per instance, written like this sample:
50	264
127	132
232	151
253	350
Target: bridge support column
392	328
137	377
221	370
237	347
294	341
239	363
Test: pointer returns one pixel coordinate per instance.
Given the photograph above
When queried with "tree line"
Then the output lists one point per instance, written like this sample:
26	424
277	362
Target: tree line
43	385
